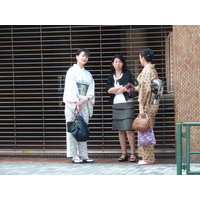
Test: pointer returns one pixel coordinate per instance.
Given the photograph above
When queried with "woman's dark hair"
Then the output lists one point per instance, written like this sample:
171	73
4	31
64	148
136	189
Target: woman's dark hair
82	50
119	56
148	54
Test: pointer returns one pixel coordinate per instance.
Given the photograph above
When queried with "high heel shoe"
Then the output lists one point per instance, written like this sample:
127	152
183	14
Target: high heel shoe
133	159
124	157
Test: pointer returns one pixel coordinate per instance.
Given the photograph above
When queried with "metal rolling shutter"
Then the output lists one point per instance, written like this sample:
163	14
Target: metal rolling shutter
33	64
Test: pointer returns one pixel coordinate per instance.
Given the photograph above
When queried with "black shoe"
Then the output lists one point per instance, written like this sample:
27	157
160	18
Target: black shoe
133	159
124	157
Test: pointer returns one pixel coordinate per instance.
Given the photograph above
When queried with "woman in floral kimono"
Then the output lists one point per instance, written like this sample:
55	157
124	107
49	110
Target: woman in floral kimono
78	94
146	101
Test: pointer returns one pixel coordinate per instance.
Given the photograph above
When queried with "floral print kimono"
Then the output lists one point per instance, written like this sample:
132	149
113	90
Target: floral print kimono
146	98
75	75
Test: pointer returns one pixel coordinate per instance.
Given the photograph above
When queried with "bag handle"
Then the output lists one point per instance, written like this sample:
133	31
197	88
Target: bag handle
140	117
75	113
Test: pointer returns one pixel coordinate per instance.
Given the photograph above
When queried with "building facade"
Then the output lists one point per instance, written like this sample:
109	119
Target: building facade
186	48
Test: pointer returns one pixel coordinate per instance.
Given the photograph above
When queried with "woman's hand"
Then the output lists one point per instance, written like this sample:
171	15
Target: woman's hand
137	88
141	108
81	102
128	90
78	108
141	113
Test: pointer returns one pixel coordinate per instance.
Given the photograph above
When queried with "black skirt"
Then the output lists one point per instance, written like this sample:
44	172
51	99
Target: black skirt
123	116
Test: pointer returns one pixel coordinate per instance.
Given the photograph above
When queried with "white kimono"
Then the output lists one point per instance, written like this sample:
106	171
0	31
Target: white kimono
75	75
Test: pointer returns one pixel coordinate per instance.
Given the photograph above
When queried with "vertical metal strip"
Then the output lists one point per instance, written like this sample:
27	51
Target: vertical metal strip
13	79
42	89
102	88
179	148
187	149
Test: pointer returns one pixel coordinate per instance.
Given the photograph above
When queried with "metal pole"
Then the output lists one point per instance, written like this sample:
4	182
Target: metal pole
187	149
179	147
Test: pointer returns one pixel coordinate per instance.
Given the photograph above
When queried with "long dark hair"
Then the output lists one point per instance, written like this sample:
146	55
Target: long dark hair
119	56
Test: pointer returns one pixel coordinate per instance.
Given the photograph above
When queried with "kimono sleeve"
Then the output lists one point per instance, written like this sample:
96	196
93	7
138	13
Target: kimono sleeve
91	95
145	87
91	91
70	90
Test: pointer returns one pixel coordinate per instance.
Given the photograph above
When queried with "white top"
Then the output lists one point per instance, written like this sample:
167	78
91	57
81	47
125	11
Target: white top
119	98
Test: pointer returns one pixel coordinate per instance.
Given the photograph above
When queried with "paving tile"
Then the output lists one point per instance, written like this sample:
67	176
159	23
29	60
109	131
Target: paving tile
101	167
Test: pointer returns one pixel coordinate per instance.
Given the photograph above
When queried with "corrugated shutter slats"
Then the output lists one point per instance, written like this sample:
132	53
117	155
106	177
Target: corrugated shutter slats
33	64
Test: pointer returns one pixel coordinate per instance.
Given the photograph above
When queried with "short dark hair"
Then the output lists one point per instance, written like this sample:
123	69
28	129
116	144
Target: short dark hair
83	50
119	56
148	54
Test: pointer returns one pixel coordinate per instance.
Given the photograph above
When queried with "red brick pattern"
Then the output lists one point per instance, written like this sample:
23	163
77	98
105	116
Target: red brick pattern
186	66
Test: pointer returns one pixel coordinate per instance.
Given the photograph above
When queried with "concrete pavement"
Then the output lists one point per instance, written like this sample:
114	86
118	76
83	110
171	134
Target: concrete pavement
101	166
85	169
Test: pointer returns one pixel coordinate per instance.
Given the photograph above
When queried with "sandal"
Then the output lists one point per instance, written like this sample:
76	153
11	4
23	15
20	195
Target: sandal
124	157
133	159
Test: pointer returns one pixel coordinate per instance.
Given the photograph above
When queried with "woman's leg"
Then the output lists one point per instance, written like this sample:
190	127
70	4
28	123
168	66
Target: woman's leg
147	151
131	139
72	148
122	140
82	148
147	154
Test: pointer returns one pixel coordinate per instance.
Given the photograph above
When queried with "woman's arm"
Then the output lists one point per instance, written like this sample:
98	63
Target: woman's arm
114	90
141	109
144	87
70	95
122	90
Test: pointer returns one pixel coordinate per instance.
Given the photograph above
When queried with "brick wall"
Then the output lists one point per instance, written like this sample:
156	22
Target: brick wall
186	66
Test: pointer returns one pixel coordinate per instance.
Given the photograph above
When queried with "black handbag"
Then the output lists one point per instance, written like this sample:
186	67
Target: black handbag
79	129
134	93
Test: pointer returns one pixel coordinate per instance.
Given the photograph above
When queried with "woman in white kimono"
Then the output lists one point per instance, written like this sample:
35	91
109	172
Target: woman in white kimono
78	93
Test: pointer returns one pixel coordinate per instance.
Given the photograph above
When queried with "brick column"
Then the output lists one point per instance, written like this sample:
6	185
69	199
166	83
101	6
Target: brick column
186	67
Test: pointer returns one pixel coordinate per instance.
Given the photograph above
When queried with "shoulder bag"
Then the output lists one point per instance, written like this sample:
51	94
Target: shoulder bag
79	128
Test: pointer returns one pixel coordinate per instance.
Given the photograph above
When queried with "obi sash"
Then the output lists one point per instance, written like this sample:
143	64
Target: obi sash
82	88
